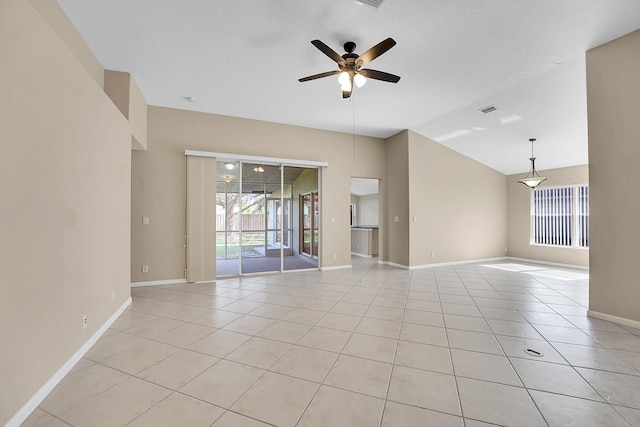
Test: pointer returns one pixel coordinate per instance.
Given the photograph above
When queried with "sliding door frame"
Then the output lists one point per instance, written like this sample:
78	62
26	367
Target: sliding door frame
282	162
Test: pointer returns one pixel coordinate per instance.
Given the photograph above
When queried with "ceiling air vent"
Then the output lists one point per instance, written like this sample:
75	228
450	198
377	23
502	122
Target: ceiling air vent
374	3
489	109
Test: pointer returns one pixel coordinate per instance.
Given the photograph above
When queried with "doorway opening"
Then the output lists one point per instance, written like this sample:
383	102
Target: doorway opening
365	217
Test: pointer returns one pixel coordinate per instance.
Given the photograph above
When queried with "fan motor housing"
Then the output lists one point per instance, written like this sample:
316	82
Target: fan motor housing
350	47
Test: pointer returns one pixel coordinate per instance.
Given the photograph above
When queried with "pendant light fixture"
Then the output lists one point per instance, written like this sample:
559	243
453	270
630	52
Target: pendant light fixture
533	179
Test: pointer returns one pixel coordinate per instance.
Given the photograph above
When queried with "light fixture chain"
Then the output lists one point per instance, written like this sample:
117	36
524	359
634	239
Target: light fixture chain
533	178
353	127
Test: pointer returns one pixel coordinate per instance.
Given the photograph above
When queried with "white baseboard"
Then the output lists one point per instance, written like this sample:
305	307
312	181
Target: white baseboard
556	264
361	255
300	270
475	261
615	319
441	264
44	391
336	267
393	264
448	264
158	282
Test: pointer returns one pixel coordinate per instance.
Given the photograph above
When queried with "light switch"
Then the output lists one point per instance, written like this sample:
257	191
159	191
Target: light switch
395	219
333	219
145	220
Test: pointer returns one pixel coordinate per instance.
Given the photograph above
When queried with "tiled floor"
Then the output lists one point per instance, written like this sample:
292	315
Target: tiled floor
371	346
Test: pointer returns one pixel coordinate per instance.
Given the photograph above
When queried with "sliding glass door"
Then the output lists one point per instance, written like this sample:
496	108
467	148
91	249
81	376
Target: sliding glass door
256	227
261	188
228	208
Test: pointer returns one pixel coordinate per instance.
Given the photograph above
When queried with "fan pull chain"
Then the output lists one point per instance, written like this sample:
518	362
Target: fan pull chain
353	127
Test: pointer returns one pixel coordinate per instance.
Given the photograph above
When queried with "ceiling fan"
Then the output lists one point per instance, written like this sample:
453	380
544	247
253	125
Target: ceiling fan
350	65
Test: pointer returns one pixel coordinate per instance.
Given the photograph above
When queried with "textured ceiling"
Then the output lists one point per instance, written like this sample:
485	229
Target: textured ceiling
243	58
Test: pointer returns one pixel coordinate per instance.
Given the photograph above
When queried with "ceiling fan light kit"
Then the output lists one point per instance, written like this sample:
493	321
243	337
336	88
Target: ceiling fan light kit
533	178
345	81
349	65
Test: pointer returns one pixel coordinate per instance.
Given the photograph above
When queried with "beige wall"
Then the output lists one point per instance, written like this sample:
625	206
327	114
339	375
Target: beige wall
118	87
125	94
613	99
137	116
58	21
367	209
519	218
395	241
159	179
457	206
65	191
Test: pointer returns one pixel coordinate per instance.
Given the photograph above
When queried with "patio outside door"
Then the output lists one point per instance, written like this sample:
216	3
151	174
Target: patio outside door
309	224
257	218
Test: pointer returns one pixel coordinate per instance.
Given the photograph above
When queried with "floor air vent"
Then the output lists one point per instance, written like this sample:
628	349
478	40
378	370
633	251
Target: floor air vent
532	352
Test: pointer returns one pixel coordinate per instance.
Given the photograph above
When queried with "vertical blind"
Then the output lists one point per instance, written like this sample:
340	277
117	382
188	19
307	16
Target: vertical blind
560	216
583	215
201	209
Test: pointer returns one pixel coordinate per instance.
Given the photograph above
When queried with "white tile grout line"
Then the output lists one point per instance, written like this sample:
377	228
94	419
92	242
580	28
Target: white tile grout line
407	290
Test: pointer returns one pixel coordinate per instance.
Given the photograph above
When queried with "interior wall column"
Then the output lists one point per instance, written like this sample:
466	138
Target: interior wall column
613	106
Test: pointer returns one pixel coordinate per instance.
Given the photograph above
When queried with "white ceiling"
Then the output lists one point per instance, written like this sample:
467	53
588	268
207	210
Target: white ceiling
243	58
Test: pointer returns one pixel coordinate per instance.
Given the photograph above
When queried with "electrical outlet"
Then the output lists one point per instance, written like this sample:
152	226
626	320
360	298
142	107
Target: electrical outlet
433	254
113	295
145	220
334	256
84	322
145	268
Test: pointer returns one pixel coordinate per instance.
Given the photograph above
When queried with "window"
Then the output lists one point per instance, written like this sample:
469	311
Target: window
560	216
